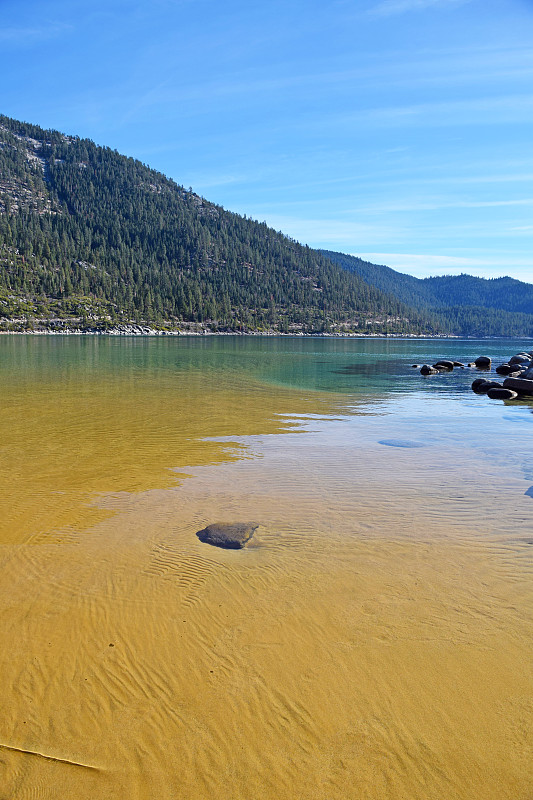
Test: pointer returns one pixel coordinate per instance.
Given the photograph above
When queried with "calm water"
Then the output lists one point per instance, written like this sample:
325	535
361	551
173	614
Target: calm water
107	414
374	640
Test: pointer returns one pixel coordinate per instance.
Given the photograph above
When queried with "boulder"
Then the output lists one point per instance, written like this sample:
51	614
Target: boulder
483	362
231	535
484	386
501	393
458	363
425	369
519	385
504	369
443	365
476	385
520	358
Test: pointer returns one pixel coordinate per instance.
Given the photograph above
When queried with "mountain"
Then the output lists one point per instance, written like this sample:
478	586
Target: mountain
90	238
462	304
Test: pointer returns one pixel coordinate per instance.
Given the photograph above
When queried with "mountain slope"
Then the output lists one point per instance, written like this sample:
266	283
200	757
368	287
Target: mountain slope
92	235
462	304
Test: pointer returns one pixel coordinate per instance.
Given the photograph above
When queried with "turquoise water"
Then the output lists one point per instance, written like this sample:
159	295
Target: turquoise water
168	396
345	366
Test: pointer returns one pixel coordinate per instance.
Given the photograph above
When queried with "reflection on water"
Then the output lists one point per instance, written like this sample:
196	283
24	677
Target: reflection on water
374	640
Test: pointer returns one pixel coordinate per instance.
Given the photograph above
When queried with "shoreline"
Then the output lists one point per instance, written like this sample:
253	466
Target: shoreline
139	330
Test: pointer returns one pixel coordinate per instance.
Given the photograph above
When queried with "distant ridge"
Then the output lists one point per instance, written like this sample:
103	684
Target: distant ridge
462	304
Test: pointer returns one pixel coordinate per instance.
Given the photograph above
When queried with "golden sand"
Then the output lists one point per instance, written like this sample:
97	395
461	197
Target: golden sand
374	641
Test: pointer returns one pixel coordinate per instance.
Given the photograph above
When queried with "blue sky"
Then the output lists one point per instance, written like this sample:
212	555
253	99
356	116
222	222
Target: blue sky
398	130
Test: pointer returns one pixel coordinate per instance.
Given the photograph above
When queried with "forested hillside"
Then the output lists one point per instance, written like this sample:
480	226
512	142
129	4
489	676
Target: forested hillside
462	304
95	238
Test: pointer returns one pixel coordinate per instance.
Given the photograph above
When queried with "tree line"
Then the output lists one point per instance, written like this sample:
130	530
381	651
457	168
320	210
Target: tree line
78	220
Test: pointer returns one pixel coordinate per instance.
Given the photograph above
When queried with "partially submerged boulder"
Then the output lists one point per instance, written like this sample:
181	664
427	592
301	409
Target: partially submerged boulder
519	385
476	385
517	372
448	365
484	387
501	393
520	358
504	369
231	535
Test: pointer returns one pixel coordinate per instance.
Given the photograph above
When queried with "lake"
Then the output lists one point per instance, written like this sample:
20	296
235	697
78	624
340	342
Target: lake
373	640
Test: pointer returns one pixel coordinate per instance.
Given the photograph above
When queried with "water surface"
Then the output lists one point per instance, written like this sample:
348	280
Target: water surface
374	640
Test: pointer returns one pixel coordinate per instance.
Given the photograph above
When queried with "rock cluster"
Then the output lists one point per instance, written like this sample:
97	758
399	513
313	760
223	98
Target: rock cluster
438	366
518	373
518	381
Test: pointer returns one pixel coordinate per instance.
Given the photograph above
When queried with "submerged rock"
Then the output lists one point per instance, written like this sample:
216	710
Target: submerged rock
231	535
401	443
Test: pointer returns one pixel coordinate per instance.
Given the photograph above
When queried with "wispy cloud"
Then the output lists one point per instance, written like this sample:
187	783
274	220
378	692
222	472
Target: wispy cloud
485	110
31	34
423	265
328	231
210	181
437	205
388	8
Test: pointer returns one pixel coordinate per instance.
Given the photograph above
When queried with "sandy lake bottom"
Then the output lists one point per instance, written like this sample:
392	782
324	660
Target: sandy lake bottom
374	641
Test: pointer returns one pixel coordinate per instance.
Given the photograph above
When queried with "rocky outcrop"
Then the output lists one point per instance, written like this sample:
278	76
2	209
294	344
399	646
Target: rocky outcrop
518	383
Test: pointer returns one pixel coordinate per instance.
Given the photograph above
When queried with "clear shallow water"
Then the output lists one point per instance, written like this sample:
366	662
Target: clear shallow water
373	640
